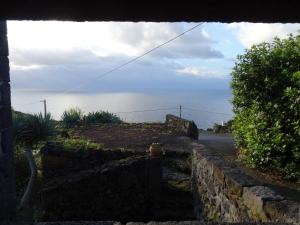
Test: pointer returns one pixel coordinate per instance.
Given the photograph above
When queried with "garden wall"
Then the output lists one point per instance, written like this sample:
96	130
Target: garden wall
124	190
182	126
222	192
59	162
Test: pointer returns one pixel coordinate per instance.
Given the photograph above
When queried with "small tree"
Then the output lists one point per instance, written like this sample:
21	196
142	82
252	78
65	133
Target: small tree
29	130
266	102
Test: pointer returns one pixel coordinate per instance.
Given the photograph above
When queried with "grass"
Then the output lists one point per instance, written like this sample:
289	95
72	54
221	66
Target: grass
80	145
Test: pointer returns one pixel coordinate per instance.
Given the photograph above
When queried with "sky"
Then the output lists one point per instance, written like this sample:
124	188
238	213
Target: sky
71	56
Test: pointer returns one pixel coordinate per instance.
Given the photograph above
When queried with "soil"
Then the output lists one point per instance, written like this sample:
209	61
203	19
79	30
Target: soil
133	136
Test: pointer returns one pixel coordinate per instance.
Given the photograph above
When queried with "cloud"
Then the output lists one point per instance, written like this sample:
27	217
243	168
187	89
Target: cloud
38	58
254	33
201	72
62	55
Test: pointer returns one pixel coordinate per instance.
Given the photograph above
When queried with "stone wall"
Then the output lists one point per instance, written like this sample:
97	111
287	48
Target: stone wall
224	193
59	162
7	184
149	223
124	190
182	126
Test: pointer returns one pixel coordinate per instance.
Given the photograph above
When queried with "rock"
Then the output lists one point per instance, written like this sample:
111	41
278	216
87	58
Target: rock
182	126
255	197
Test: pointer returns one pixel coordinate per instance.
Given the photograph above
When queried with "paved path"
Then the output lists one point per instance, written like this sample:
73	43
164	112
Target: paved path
222	143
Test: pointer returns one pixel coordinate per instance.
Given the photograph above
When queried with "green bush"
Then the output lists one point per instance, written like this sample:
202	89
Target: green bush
101	117
71	117
80	145
266	102
30	129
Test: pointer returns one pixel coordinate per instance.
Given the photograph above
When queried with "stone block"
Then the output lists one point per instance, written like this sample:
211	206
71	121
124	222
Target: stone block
4	68
254	199
283	211
235	180
182	126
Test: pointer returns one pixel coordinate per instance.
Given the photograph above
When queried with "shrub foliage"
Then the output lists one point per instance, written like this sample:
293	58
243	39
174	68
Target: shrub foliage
74	116
101	117
71	117
30	129
266	102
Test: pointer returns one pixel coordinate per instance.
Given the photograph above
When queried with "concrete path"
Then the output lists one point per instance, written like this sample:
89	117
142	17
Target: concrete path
221	143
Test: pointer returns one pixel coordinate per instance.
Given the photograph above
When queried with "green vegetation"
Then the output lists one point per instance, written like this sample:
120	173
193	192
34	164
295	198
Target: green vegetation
80	145
71	117
29	131
74	117
266	101
101	117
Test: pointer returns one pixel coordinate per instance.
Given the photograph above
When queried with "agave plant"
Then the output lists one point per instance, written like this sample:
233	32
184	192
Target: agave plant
71	117
29	130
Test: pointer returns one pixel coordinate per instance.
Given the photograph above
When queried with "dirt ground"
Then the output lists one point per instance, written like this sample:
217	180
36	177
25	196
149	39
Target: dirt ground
134	136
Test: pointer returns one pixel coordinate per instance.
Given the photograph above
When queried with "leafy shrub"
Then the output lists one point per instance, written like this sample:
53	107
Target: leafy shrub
80	145
31	129
101	117
71	117
266	102
18	122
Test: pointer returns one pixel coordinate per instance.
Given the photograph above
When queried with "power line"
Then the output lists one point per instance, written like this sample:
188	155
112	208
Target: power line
133	60
207	111
126	63
150	110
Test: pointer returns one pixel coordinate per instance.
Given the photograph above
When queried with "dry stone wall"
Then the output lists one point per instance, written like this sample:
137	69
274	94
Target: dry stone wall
59	162
182	126
124	190
224	193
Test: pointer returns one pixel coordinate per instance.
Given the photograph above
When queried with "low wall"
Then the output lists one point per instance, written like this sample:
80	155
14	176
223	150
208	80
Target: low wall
149	223
222	192
58	162
182	126
125	190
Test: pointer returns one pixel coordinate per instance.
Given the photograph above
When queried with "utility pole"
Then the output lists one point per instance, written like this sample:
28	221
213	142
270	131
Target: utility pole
45	107
180	111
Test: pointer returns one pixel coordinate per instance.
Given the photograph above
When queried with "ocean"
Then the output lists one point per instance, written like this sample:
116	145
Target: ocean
205	107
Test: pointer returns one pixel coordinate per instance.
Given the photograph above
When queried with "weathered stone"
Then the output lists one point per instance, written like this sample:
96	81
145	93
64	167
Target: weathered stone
235	180
80	223
125	190
59	162
255	197
283	211
182	126
221	189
